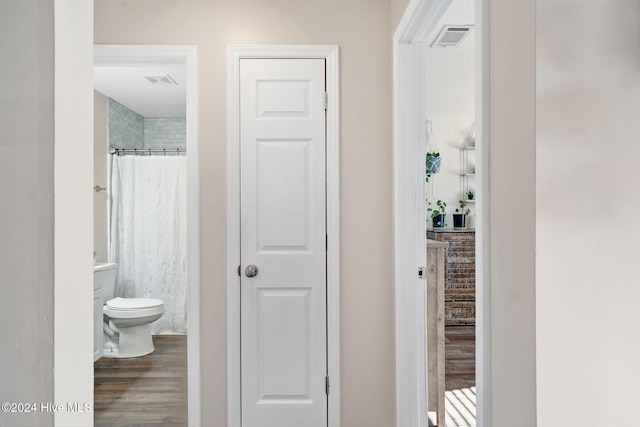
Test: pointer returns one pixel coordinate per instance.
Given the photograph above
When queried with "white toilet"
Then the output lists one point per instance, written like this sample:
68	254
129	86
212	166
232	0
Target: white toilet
126	320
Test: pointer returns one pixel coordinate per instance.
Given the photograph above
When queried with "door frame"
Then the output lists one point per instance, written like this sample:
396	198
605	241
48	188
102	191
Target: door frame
187	56
330	53
419	19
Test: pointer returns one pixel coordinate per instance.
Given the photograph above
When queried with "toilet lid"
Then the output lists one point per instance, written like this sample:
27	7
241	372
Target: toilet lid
133	303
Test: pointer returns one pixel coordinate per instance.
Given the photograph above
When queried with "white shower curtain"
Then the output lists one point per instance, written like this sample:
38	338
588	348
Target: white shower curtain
149	234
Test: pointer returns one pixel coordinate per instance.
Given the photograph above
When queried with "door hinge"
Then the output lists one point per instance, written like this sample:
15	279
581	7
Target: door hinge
239	272
421	272
326	384
326	101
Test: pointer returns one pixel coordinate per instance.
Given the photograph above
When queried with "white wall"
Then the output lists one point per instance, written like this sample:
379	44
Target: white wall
588	280
446	185
26	208
509	295
100	175
450	106
73	182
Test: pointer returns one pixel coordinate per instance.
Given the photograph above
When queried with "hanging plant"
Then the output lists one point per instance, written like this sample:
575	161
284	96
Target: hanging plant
433	161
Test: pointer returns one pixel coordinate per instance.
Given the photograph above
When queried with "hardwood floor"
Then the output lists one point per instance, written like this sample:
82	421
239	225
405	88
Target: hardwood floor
143	391
460	376
460	357
152	390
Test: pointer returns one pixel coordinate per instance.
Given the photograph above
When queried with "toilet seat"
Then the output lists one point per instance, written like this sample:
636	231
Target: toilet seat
127	308
119	303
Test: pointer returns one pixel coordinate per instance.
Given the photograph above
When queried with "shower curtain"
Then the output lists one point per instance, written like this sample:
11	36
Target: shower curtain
149	234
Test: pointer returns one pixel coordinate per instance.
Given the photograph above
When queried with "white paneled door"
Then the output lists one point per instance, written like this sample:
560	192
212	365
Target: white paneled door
283	243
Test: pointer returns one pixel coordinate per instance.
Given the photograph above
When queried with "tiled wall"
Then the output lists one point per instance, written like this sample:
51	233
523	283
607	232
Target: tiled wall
164	132
128	129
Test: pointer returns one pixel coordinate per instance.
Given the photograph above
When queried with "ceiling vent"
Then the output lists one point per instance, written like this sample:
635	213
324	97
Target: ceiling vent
452	35
161	79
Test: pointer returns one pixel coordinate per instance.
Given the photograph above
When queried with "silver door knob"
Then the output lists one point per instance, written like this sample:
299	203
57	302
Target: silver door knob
251	271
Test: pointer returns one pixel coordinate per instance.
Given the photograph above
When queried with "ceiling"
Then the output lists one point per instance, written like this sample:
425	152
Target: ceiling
127	85
460	12
451	70
450	85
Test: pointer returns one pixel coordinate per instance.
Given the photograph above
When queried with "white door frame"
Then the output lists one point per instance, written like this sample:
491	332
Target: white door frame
409	77
186	55
235	54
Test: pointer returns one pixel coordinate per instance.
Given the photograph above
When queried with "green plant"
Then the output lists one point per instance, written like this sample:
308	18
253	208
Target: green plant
470	195
462	209
440	209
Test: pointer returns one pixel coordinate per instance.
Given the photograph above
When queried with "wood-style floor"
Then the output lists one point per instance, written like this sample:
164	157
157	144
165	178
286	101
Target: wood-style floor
152	390
460	376
460	357
144	391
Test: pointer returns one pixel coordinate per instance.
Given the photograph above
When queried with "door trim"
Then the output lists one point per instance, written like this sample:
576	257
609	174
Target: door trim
418	20
409	113
187	55
234	55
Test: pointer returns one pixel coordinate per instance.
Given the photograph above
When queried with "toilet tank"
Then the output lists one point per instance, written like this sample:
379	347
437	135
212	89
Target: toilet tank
104	276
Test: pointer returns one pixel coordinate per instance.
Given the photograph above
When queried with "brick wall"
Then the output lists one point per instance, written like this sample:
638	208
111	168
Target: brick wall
460	276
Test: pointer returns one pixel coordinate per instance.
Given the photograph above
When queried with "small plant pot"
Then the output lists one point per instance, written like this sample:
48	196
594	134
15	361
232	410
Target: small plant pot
470	196
438	221
459	221
433	164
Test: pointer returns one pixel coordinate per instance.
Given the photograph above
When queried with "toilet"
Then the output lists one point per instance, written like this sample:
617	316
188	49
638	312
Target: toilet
126	320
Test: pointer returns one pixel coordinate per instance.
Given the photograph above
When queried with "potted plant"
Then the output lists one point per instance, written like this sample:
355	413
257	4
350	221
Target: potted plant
470	195
460	217
438	214
433	162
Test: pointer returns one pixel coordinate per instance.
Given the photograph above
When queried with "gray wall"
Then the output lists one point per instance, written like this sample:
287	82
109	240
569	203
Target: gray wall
26	207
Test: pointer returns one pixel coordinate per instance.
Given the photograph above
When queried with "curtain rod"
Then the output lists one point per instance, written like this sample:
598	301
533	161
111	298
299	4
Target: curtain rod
121	151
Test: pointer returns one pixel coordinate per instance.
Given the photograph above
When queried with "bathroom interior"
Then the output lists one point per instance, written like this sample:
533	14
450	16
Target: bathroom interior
140	245
450	92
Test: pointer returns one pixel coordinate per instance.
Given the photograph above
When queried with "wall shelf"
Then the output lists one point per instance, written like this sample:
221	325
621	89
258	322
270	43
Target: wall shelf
467	163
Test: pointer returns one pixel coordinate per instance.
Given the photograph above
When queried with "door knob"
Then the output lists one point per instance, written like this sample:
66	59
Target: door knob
251	271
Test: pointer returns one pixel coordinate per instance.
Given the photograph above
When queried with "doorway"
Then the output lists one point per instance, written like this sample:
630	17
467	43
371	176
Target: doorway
182	56
243	275
420	20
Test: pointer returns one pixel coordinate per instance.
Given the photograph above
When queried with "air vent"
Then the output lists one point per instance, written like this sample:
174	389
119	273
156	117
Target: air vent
161	79
452	35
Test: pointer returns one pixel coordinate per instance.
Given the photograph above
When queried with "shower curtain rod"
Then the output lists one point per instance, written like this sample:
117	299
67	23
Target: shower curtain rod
121	151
